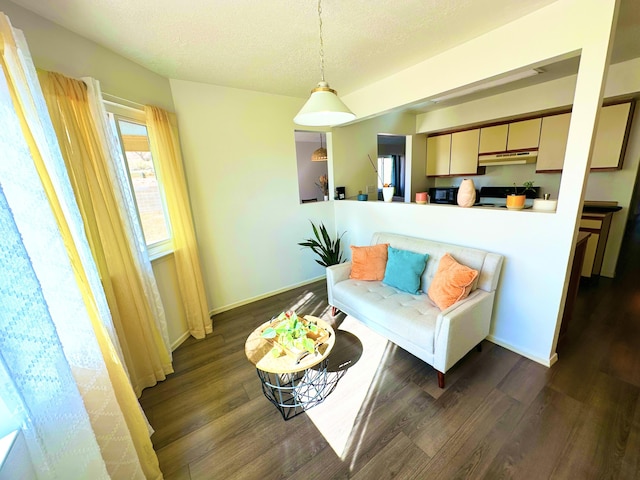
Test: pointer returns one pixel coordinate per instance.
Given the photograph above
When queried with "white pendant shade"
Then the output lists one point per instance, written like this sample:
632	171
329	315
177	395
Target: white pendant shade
323	109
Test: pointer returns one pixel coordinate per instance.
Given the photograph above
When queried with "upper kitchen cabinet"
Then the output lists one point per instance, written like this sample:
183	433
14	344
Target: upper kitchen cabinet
524	135
553	143
610	137
493	139
521	135
612	130
464	152
438	155
453	154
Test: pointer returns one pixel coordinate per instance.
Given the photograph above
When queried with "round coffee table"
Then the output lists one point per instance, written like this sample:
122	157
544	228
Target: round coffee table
291	386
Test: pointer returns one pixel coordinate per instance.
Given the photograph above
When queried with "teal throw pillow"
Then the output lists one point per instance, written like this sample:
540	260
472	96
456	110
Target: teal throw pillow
404	269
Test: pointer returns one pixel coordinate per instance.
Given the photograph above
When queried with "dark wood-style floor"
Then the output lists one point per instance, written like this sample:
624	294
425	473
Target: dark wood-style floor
501	415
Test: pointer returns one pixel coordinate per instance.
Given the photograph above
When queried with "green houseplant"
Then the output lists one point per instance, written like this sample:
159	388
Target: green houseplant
515	200
328	250
293	335
526	186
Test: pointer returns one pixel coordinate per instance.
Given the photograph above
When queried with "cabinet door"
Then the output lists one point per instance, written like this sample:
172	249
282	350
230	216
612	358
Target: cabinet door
612	126
493	139
524	134
438	155
464	152
553	142
590	255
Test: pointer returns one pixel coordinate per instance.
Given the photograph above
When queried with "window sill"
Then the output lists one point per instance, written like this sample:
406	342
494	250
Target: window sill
157	256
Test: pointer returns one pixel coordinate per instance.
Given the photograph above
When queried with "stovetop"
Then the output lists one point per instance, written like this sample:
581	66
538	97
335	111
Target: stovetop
497	196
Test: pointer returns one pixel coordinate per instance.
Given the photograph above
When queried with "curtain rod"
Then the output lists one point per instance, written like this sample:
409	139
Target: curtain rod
122	101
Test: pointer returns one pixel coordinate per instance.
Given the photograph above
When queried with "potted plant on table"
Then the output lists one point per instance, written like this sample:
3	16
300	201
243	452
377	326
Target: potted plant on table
515	200
295	336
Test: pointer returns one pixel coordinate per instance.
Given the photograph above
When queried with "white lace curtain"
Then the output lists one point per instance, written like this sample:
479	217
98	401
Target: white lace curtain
60	374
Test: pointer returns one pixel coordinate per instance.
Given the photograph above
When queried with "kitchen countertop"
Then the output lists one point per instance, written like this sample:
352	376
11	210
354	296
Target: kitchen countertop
592	206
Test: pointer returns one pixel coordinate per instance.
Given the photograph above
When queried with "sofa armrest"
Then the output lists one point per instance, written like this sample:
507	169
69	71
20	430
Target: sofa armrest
336	274
461	327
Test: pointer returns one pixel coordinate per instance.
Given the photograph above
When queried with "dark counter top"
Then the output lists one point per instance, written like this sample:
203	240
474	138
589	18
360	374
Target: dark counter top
591	206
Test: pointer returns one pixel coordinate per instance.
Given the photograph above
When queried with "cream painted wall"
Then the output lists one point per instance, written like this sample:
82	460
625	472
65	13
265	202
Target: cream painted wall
417	145
240	162
164	269
58	49
352	143
538	246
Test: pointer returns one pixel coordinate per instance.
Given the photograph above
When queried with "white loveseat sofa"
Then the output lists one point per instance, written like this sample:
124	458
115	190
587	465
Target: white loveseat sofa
414	322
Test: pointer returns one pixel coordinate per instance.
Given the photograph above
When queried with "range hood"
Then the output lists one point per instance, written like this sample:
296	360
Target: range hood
507	158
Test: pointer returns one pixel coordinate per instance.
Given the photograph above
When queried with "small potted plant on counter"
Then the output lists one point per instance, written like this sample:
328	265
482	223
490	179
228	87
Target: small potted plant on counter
515	200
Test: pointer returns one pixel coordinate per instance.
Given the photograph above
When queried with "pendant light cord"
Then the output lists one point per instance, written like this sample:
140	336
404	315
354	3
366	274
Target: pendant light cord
321	42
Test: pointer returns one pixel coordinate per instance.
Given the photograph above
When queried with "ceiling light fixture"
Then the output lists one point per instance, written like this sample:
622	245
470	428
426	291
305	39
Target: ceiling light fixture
320	154
324	108
486	85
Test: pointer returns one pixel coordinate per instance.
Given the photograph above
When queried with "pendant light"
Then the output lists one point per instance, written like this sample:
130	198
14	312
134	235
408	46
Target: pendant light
323	108
320	154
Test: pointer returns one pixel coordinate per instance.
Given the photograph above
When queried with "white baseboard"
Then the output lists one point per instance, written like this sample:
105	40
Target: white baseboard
547	362
215	311
179	341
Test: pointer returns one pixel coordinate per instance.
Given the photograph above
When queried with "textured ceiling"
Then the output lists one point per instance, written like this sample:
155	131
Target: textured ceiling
273	46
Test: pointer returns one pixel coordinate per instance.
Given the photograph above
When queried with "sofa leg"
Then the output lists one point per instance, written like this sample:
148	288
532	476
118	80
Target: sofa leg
334	311
440	379
479	347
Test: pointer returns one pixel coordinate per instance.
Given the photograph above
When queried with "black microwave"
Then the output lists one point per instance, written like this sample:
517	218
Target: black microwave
443	195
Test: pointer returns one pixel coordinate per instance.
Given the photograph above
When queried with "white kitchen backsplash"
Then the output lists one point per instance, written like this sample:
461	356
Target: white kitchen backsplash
507	175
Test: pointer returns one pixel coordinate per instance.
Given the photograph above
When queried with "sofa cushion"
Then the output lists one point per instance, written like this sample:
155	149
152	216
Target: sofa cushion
404	269
451	283
412	317
368	263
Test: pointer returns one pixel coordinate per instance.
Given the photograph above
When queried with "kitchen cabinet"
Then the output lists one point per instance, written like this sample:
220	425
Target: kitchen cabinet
438	155
453	154
598	225
608	148
493	139
464	152
553	143
524	135
610	135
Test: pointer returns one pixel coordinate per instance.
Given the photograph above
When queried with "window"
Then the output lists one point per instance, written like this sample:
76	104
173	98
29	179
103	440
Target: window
144	179
391	169
392	163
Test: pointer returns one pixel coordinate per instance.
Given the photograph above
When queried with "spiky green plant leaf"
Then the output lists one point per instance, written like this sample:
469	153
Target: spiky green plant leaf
328	250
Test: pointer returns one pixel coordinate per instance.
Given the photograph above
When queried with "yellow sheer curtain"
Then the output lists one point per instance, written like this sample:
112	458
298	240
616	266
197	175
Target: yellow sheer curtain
145	354
119	423
165	149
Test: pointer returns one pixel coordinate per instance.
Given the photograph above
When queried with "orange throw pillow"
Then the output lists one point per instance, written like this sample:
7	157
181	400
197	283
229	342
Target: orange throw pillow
451	283
368	263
